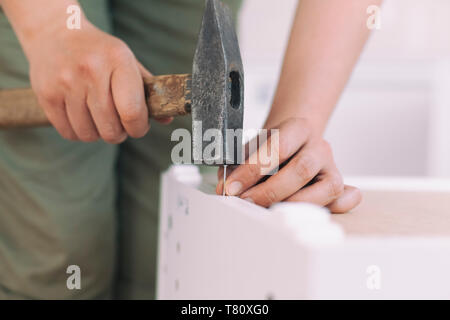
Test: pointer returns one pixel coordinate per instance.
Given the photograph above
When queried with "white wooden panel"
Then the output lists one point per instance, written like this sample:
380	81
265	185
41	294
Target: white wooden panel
213	247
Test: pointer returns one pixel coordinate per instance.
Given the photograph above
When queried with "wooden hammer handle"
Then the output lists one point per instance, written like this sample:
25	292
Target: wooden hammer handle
166	96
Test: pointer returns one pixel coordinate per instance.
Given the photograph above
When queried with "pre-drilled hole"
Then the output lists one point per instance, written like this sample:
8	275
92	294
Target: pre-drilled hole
235	79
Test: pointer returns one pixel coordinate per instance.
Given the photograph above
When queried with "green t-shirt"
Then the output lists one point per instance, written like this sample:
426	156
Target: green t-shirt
59	199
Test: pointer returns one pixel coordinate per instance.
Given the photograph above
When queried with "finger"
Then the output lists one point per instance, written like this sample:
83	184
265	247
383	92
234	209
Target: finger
165	120
219	187
303	168
350	199
324	191
283	144
55	110
101	106
231	168
250	147
220	173
147	74
80	117
143	70
129	98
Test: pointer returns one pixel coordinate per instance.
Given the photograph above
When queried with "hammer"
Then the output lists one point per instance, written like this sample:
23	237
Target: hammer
214	93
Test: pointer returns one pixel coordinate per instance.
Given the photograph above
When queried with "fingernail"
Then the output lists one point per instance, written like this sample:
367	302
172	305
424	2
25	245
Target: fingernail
123	137
249	200
234	188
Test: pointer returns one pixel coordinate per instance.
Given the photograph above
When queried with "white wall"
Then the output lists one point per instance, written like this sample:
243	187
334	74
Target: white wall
386	122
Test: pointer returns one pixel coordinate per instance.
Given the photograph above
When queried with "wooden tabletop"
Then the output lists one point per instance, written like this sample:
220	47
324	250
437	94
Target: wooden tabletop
399	213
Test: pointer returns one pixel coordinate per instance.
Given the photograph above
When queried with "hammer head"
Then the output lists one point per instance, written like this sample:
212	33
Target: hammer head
217	89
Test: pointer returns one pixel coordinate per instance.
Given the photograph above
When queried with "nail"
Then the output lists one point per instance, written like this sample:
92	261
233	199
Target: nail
219	187
234	188
249	200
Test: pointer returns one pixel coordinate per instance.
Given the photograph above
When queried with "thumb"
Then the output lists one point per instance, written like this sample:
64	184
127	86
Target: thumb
145	73
351	198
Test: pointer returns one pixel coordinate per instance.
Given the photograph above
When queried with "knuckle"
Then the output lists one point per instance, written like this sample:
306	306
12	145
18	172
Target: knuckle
112	133
120	52
72	137
293	127
48	96
304	130
131	113
67	78
301	124
336	187
68	134
292	121
88	136
138	133
113	141
91	65
304	167
253	170
284	147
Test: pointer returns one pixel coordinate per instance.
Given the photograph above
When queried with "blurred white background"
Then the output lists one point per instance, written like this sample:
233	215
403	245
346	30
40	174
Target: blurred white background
394	117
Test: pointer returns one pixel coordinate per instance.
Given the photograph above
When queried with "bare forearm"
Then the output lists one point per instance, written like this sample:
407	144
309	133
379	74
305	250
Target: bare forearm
30	18
325	43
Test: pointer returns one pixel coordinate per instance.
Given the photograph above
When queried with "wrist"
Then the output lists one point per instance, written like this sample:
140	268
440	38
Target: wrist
35	21
314	117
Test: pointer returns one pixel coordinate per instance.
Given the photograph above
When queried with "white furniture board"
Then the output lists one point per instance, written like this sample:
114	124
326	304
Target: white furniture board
396	245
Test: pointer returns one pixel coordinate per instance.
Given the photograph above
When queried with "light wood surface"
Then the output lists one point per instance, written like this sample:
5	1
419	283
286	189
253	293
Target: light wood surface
402	213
